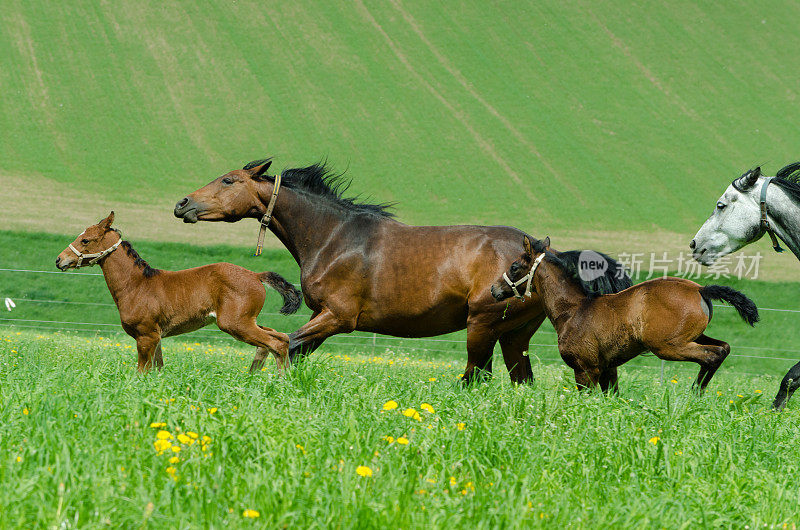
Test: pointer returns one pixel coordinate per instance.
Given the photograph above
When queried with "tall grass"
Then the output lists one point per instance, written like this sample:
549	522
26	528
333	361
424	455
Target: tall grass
77	445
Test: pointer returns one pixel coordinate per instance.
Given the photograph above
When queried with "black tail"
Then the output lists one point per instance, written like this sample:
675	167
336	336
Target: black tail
746	308
291	296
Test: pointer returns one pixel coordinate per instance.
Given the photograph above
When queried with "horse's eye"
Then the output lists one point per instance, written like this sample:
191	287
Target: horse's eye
227	180
514	267
84	241
721	205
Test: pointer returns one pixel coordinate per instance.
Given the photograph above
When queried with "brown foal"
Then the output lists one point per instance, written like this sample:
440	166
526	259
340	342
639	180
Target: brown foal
156	303
598	333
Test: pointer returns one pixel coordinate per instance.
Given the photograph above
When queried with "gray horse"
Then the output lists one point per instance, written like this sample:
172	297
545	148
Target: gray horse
754	205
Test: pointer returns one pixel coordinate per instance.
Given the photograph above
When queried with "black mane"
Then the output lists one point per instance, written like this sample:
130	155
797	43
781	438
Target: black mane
147	270
613	280
318	180
788	178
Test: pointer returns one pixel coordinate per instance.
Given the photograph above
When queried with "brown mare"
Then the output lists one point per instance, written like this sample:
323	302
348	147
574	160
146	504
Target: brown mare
598	333
156	303
363	270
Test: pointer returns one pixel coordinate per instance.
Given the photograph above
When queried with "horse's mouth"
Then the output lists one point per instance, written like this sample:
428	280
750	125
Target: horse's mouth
189	216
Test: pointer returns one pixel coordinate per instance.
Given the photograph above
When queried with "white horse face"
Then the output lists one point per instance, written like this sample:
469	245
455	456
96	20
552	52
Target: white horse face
736	221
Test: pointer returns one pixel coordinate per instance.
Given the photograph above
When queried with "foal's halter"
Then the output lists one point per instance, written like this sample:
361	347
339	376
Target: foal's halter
97	256
527	278
764	222
268	216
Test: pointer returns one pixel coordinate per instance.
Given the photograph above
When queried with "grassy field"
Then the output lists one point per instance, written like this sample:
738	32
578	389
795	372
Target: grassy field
78	429
589	115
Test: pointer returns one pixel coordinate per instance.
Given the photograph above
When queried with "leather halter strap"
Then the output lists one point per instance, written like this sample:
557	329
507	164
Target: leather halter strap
527	278
268	215
764	221
97	256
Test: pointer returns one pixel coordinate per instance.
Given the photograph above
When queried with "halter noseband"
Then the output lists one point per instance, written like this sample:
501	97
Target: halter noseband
268	216
97	256
527	278
764	221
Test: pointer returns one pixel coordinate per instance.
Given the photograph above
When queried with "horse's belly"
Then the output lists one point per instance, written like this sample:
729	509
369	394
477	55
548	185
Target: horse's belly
436	321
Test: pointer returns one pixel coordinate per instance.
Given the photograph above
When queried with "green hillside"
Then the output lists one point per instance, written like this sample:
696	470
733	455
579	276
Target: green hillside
600	115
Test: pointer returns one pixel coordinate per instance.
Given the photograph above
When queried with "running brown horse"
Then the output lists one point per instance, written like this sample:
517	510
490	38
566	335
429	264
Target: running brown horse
361	269
598	333
155	303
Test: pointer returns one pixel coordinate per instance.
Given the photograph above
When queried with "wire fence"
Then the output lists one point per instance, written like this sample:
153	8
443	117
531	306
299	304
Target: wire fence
367	342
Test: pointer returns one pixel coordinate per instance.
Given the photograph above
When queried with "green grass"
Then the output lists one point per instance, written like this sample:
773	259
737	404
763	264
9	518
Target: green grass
600	115
539	455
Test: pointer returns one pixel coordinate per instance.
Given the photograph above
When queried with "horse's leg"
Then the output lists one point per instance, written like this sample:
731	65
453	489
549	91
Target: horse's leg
790	383
146	345
709	355
321	326
259	359
608	380
247	330
158	359
707	372
514	344
583	379
480	347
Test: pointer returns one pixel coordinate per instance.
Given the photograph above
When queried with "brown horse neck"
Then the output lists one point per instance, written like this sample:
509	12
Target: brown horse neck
560	295
303	224
120	271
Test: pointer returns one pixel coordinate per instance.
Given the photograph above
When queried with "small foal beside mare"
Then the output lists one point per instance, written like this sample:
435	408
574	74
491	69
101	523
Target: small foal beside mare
156	303
598	333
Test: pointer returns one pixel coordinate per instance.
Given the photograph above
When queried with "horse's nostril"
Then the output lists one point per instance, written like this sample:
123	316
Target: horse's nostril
692	244
183	202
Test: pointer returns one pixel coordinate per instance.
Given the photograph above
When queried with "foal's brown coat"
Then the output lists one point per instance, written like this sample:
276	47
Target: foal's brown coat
156	303
666	316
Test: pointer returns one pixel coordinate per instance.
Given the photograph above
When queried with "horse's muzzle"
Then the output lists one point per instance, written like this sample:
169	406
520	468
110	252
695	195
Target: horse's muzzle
186	209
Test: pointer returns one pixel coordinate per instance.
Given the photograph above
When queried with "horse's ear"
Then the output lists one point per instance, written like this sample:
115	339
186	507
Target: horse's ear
105	224
750	178
526	245
258	171
546	242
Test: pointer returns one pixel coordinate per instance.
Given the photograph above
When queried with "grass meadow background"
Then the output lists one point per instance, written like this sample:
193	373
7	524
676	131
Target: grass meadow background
602	124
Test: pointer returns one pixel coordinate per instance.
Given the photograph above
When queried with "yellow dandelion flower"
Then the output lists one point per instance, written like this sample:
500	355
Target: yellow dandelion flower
461	426
739	395
719	393
19	459
176	448
184	439
453	481
206	439
389	439
390	405
171	470
25	411
678	453
412	413
250	514
163	435
402	441
158	425
432	379
654	440
363	471
174	460
192	435
673	380
303	449
430	480
758	391
212	410
162	445
427	408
